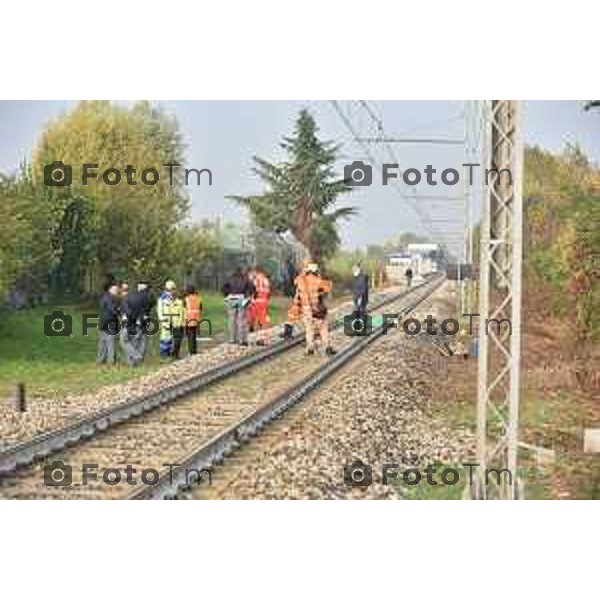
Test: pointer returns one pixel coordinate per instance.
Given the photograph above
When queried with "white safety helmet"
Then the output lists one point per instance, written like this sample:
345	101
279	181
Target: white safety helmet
170	285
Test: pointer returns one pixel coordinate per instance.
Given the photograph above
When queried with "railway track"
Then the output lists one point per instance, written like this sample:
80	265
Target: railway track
42	445
213	413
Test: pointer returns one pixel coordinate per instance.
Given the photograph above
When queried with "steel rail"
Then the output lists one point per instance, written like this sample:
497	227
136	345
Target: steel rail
171	481
50	442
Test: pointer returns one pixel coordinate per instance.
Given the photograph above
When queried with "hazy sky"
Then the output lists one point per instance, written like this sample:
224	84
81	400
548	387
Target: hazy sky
223	136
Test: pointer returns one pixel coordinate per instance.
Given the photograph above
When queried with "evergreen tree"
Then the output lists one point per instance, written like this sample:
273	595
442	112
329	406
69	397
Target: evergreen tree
302	191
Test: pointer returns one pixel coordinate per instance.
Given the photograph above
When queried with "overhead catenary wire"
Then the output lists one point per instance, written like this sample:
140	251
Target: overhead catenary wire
421	214
422	217
425	217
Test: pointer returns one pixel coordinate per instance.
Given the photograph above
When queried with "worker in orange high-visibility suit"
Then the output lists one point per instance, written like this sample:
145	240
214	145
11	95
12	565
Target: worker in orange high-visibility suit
193	316
311	289
259	312
294	315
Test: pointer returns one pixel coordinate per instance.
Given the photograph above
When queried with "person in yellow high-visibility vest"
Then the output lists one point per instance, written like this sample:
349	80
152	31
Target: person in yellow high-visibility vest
193	316
171	317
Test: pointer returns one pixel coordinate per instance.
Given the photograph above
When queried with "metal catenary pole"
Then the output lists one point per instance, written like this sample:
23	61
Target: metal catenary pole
500	301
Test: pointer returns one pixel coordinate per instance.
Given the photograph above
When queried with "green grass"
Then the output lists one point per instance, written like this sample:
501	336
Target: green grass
553	420
51	366
425	491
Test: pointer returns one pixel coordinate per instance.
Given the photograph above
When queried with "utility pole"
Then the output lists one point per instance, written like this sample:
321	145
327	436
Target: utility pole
464	300
500	299
471	154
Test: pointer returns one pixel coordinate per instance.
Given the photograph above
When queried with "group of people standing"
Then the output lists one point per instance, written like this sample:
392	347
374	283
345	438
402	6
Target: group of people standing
179	317
128	315
123	315
247	297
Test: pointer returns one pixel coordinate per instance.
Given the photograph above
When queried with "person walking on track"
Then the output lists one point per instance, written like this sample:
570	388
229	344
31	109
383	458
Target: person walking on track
109	325
193	316
260	304
238	291
171	318
360	290
409	276
311	290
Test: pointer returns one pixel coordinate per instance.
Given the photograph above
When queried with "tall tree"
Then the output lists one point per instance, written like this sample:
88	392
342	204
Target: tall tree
119	228
26	250
301	192
563	240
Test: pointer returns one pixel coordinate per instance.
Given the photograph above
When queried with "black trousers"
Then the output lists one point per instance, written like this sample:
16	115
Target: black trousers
191	333
177	337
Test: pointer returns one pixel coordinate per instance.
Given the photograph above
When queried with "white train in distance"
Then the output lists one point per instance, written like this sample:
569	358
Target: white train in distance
423	259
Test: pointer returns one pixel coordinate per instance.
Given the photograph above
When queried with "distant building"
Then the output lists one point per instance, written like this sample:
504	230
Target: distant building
421	258
397	263
422	249
429	257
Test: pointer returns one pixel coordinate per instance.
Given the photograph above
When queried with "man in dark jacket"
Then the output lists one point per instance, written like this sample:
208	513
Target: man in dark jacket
360	290
145	313
136	313
109	325
237	291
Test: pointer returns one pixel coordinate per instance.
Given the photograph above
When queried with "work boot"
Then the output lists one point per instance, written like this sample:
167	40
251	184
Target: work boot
310	351
330	351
